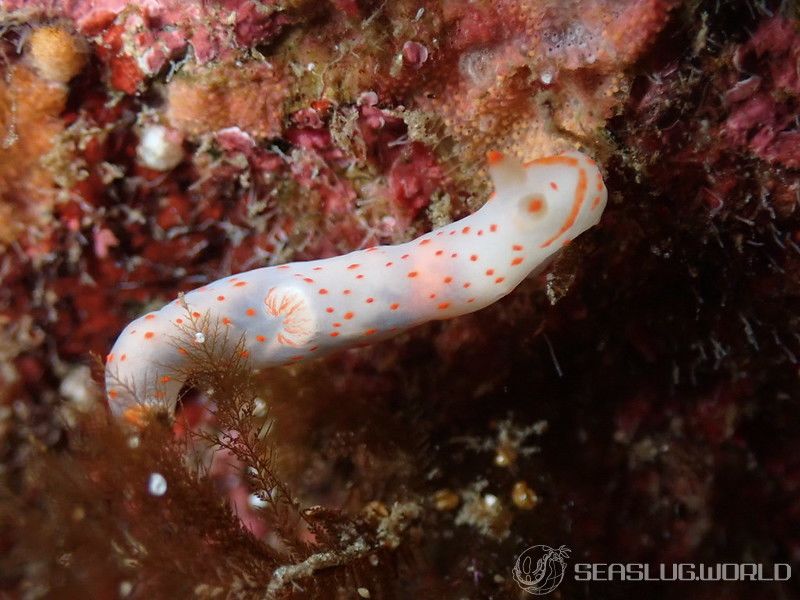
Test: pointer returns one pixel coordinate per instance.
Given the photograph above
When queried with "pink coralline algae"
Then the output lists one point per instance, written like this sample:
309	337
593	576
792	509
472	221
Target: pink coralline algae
157	31
764	103
208	99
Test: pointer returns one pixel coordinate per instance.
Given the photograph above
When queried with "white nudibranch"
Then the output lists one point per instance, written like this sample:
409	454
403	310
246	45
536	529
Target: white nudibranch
305	309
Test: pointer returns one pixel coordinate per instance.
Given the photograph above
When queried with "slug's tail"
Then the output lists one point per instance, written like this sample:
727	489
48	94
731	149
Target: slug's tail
144	369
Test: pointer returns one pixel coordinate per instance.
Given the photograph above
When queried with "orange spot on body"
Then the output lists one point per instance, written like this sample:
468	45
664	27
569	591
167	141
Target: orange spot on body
149	317
596	202
240	284
535	205
182	351
251	312
500	280
424	242
226	321
261	339
554	185
370	331
490	271
412	274
394	306
466	285
149	335
359	276
354	266
245	353
516	261
432	296
109	358
444	305
465	230
480	231
323	291
113	393
492	227
347	292
493	157
308	280
179	321
448	279
317	269
474	257
370	300
283	267
405	256
196	314
439	252
166	379
123	358
348	316
516	248
337	324
329	309
333	333
454	255
220	298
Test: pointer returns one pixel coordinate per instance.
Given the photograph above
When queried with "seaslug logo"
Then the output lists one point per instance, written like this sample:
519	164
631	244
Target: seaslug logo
540	569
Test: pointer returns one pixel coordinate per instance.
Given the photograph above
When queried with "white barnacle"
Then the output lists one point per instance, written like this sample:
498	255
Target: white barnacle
199	337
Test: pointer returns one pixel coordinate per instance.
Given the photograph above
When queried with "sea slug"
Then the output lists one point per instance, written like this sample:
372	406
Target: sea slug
302	310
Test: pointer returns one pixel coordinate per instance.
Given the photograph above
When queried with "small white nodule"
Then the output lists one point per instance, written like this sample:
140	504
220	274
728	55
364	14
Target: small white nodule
157	484
160	148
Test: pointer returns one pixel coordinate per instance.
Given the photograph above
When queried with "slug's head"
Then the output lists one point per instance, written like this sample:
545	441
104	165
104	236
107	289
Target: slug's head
553	199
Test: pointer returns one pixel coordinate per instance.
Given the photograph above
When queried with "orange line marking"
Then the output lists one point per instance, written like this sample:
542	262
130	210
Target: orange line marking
580	193
553	160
